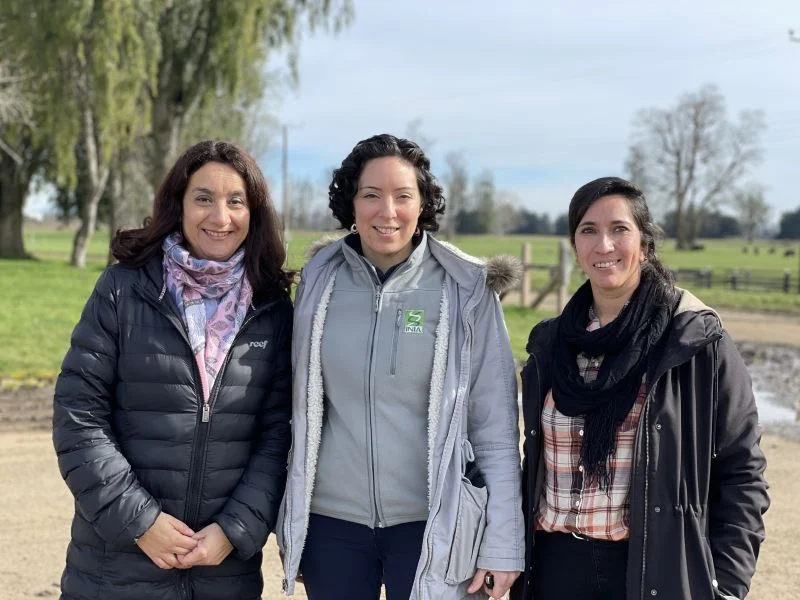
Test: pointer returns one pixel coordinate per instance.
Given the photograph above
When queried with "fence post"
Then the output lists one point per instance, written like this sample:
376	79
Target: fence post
787	281
735	279
525	291
564	274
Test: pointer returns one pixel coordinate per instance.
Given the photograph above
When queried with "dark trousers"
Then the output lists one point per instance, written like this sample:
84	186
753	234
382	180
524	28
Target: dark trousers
347	561
568	568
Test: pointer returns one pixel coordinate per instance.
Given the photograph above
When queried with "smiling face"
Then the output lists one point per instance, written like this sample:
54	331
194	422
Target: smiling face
387	206
608	245
216	217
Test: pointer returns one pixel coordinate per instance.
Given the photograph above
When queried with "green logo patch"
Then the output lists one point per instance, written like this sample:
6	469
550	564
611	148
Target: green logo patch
413	321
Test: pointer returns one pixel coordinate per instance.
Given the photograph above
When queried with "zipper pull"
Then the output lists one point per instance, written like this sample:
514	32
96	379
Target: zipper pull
206	413
399	320
377	299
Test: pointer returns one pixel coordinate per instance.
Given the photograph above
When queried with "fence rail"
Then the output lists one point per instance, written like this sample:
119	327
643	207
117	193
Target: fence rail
740	279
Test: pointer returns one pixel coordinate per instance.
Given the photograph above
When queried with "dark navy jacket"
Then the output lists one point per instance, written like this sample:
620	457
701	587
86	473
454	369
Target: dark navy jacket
131	441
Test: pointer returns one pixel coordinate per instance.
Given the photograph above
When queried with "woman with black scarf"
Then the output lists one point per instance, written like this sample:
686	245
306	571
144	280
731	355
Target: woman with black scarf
643	476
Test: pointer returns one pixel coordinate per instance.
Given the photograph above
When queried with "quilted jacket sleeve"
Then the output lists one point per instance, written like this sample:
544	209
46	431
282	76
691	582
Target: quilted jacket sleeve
107	492
250	514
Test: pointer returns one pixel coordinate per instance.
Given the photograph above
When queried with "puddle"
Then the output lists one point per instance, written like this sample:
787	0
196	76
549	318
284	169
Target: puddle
770	412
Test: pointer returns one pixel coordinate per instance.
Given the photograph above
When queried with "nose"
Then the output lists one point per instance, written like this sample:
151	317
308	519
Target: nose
388	209
219	212
605	243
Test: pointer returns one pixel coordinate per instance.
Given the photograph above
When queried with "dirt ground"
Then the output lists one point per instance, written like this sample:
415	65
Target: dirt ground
36	507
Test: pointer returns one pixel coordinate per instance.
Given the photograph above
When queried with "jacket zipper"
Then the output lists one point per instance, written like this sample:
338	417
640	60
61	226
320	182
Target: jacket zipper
396	338
646	492
378	521
197	465
204	414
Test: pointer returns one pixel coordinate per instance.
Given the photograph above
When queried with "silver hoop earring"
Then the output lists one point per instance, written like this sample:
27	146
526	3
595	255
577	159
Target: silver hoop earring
417	231
353	228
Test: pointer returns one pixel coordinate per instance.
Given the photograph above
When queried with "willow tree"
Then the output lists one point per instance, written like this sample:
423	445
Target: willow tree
92	60
17	154
213	58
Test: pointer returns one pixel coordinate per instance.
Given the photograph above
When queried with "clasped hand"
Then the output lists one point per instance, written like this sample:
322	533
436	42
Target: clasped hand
171	544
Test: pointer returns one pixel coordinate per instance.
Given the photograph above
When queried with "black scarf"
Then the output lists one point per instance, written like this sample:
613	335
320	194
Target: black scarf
624	343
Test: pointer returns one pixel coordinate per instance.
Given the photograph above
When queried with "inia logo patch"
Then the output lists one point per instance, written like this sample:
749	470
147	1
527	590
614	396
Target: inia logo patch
414	321
262	344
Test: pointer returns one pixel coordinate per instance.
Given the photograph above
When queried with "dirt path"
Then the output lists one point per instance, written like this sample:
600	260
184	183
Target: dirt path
761	327
36	508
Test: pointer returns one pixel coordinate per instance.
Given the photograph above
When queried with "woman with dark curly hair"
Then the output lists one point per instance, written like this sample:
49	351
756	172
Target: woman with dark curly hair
405	463
171	414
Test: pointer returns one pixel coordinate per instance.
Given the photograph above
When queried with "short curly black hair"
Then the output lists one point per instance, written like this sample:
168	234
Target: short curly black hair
344	185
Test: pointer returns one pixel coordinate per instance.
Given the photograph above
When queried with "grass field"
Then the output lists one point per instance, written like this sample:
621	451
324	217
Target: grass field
43	298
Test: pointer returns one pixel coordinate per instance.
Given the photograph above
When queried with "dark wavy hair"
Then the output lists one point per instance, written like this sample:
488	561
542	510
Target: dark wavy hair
651	233
264	251
344	185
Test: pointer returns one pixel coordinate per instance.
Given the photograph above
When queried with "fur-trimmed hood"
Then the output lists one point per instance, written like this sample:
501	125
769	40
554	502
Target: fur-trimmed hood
503	271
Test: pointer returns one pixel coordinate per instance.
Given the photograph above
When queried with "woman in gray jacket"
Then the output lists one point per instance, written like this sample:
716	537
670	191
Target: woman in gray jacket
405	462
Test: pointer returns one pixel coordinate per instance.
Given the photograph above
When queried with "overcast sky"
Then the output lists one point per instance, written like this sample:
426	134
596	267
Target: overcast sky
540	93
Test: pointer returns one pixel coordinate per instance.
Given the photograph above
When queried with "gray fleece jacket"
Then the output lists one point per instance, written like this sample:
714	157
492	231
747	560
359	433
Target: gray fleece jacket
377	360
471	418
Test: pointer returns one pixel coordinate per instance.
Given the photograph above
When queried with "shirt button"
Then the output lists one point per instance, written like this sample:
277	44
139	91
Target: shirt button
533	432
580	433
714	583
658	426
577	502
657	509
580	468
654	592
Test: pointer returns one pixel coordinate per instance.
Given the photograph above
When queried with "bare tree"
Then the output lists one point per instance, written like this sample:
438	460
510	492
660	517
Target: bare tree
691	156
415	134
752	208
456	182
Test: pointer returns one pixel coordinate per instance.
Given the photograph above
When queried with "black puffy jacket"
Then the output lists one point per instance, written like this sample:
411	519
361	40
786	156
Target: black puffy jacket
131	441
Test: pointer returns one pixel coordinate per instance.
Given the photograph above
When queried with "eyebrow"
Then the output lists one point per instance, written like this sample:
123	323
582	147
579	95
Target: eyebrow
375	187
615	222
211	192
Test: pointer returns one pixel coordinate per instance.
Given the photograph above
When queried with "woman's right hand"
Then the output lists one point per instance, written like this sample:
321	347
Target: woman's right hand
165	539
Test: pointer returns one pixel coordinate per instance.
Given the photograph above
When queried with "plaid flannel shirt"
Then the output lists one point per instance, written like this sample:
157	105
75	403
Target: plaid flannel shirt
570	502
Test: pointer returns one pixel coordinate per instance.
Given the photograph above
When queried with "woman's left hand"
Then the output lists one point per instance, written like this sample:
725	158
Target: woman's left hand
212	548
502	582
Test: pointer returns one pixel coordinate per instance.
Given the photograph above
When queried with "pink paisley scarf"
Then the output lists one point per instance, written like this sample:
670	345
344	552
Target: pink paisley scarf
213	298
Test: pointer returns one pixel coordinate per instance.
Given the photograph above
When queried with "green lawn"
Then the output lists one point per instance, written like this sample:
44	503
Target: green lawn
43	298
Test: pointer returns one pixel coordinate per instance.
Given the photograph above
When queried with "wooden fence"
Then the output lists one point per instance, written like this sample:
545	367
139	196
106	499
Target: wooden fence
559	276
740	279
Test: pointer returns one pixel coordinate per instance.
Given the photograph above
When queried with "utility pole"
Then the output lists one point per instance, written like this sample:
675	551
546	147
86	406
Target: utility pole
285	181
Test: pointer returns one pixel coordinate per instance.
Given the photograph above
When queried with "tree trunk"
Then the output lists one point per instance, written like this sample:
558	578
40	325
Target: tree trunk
165	139
115	201
95	175
680	226
13	190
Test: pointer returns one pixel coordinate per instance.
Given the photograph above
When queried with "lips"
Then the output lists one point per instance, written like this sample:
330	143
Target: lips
386	230
217	235
606	264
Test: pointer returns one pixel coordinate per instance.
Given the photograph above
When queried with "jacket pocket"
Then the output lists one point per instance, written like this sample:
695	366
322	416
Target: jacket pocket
468	534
